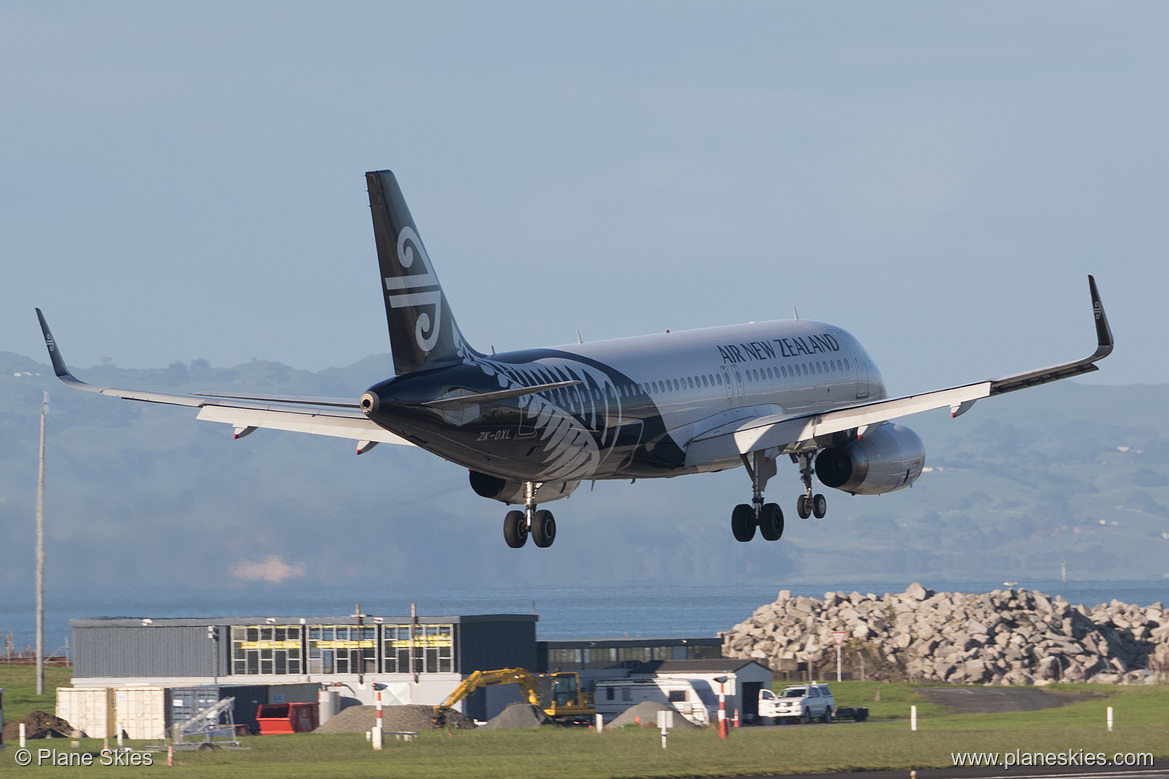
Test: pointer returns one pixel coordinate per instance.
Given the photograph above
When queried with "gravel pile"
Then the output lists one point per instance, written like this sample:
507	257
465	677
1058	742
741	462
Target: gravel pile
648	711
518	715
358	719
1002	637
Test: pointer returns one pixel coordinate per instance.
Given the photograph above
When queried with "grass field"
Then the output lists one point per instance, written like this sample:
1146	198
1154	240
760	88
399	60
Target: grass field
1142	725
19	683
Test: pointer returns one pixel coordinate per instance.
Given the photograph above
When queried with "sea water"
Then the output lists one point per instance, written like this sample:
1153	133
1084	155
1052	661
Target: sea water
564	612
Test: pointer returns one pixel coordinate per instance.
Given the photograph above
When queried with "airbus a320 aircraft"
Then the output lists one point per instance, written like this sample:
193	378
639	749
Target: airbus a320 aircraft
531	425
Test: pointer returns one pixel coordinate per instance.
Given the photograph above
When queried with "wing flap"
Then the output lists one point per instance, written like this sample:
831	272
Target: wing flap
337	417
328	423
787	430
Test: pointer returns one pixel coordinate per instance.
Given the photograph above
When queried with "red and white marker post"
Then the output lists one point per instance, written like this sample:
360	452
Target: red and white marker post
377	728
838	636
722	710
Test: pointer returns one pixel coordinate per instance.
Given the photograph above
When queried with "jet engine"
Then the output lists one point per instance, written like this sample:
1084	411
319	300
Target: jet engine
513	491
886	459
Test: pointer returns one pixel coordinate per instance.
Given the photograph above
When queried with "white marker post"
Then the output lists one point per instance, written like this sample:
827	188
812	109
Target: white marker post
665	722
23	736
913	718
600	724
838	636
1109	719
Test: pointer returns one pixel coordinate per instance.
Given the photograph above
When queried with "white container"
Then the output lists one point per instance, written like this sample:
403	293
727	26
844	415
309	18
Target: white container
88	709
141	711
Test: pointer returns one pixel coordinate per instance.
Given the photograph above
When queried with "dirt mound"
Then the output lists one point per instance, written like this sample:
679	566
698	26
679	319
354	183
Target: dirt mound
518	715
37	724
648	711
358	719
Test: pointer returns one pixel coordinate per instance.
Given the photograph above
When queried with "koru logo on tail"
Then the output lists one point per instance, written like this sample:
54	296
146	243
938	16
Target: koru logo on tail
407	291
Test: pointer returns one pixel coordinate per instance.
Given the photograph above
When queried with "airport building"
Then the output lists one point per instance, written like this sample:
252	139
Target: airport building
413	660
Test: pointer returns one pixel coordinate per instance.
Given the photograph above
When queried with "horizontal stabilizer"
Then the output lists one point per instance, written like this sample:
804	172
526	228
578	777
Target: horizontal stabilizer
460	401
285	400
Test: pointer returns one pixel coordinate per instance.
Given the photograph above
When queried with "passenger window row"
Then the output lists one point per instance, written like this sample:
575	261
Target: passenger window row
567	396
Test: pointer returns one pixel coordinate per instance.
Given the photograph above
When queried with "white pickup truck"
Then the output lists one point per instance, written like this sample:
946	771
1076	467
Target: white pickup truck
798	703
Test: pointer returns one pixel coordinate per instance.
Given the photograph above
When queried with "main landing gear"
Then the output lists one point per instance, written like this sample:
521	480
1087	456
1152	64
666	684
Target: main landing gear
538	523
768	517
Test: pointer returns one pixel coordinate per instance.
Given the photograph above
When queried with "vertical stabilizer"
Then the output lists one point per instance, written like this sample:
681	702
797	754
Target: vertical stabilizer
423	332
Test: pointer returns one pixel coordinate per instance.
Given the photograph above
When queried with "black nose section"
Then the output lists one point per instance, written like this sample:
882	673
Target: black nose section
370	403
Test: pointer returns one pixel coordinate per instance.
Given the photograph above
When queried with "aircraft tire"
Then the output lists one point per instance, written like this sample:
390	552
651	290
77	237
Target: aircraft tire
804	507
543	528
515	529
771	522
743	522
819	506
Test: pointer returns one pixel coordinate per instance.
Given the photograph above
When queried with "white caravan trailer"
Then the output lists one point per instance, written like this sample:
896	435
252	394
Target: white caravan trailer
614	696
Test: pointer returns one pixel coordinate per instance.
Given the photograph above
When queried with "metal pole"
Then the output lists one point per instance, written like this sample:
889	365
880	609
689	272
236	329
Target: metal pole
838	662
413	644
41	557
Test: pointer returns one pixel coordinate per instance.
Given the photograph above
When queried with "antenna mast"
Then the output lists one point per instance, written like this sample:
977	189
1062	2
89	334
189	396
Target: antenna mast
41	557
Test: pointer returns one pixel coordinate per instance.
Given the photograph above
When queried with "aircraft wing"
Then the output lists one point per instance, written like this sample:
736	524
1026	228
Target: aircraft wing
793	432
337	417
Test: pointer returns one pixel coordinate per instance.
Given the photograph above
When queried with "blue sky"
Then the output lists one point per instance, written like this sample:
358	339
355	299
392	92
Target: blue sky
184	180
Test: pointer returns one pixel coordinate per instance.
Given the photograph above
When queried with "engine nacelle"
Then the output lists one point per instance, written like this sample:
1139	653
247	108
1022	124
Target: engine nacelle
513	491
887	459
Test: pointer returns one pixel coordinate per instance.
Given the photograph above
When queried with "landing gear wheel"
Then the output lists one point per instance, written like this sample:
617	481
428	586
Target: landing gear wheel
515	529
804	507
819	506
743	522
771	522
543	528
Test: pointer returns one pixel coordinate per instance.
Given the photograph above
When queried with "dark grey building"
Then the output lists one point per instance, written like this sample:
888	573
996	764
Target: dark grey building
417	660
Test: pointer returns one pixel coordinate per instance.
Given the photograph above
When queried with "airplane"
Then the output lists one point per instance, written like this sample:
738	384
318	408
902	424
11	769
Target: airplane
531	425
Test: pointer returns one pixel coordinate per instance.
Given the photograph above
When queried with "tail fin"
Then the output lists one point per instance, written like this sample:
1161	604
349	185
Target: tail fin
423	332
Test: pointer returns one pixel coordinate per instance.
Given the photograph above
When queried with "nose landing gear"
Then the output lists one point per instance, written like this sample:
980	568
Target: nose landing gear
808	504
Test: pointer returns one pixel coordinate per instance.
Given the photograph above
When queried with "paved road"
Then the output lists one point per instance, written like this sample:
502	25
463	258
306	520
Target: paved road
1160	770
996	700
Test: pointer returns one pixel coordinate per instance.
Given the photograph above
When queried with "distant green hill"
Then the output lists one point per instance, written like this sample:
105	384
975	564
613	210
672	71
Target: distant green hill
143	495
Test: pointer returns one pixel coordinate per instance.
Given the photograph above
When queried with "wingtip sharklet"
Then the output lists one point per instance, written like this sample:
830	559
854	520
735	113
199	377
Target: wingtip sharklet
59	366
1104	339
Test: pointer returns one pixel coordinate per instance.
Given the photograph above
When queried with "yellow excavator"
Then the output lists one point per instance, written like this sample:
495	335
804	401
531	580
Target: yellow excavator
558	694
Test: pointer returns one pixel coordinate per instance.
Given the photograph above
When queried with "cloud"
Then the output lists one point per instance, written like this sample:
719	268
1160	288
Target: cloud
271	569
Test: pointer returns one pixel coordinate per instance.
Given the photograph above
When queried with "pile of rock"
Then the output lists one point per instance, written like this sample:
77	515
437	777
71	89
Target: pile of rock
358	719
1004	637
518	715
